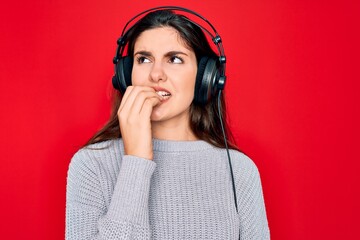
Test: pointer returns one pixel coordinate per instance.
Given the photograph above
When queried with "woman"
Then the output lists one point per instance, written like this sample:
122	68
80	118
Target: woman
159	169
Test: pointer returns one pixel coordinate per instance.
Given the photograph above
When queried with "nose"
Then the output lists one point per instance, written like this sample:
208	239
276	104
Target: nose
157	72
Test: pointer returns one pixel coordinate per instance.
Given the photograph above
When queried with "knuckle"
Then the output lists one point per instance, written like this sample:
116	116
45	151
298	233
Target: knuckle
147	102
142	95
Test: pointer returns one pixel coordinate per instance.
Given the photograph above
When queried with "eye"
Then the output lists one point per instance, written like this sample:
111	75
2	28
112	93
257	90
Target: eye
142	59
176	59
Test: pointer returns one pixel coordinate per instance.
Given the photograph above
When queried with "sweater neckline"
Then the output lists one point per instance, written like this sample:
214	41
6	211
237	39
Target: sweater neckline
179	146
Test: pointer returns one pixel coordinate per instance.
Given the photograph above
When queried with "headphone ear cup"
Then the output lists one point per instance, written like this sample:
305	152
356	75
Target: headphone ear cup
206	79
122	78
199	95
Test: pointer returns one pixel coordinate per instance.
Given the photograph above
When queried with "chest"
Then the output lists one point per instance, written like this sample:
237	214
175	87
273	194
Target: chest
192	201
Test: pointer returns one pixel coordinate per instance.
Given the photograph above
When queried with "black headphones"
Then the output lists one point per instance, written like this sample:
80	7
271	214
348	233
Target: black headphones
210	76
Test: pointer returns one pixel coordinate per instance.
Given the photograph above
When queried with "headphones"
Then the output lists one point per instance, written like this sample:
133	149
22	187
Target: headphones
210	76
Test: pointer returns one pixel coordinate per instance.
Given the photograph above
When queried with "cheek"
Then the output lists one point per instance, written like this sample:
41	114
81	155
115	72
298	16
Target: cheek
138	77
188	86
191	89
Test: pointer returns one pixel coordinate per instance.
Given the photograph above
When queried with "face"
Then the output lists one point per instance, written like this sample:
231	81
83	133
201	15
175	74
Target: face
164	62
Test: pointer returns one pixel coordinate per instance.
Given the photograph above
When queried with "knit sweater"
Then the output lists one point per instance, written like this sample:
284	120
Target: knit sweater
185	192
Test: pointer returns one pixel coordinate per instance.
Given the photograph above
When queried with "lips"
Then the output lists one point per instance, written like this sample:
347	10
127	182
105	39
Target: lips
163	93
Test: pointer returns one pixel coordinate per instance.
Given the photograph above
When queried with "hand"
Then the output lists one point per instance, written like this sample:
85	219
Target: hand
134	119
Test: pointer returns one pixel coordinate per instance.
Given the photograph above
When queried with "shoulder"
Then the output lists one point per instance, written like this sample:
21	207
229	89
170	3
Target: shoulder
246	174
239	160
99	150
98	156
244	168
242	161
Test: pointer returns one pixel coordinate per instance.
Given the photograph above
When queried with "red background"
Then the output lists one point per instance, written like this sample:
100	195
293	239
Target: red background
293	73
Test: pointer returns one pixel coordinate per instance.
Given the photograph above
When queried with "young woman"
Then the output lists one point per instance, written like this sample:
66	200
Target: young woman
159	169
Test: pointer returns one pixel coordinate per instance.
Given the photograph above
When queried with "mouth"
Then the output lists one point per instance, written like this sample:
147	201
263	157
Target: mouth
164	94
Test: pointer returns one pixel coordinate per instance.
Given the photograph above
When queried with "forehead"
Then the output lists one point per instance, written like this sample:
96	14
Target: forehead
162	38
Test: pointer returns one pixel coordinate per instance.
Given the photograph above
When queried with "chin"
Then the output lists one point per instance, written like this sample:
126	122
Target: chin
157	116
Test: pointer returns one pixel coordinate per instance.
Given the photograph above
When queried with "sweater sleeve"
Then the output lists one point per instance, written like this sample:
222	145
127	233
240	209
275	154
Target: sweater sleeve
126	217
252	213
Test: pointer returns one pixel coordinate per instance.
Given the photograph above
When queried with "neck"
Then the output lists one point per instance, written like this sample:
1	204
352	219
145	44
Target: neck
177	131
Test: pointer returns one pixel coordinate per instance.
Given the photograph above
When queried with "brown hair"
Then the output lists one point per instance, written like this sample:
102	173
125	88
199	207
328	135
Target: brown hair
205	119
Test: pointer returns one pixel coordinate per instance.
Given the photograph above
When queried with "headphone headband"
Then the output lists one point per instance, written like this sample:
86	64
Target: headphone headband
121	42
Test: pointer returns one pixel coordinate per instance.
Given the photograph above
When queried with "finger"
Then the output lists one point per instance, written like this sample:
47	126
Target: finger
133	95
125	96
140	99
130	95
148	107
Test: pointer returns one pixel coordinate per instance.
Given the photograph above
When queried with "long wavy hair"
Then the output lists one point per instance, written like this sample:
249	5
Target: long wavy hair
204	119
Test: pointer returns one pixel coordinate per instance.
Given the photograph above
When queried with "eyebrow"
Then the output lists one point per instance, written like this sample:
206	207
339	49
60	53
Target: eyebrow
168	54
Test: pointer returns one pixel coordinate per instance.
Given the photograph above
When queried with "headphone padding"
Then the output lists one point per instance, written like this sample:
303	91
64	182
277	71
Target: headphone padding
206	80
123	72
199	80
128	65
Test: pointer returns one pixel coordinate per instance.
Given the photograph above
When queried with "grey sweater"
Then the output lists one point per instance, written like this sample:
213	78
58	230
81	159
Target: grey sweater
184	193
